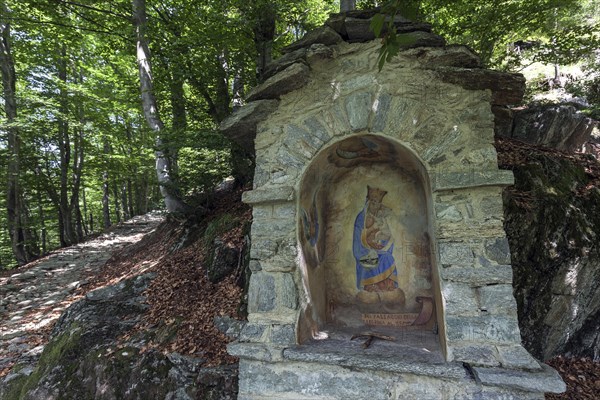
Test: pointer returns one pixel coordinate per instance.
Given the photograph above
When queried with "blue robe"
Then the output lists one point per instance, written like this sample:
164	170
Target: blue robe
385	264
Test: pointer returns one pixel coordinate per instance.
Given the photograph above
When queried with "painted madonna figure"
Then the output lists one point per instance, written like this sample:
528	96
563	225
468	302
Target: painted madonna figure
373	248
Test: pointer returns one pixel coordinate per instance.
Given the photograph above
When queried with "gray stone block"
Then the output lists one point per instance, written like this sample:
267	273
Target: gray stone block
517	357
254	351
497	299
288	156
446	212
456	253
255	266
506	88
483	328
546	381
358	107
263	248
479	276
261	293
289	292
411	40
284	211
382	108
252	333
498	250
492	207
293	77
287	248
317	129
318	52
284	61
460	298
449	56
275	228
303	142
447	180
269	194
283	334
488	393
240	126
477	354
323	35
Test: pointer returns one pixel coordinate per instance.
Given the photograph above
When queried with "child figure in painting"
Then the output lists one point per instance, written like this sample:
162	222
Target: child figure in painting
373	246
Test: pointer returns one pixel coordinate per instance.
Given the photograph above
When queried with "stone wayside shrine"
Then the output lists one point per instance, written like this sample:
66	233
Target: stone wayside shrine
380	267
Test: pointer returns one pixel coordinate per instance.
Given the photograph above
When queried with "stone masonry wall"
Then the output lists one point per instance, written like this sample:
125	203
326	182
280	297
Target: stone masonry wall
450	129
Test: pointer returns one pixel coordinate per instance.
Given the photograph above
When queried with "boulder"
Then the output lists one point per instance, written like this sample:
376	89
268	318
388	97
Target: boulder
225	259
552	220
558	126
87	357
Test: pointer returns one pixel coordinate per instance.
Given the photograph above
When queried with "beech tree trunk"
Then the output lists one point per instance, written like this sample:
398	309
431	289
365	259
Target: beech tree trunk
117	204
150	107
105	200
264	35
106	191
68	234
13	201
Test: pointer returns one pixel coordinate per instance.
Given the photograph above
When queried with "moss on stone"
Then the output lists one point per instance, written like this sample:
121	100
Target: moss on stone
62	348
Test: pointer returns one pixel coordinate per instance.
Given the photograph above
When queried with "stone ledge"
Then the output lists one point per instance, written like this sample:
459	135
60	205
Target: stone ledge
256	351
547	380
323	35
478	276
442	181
293	77
408	362
278	373
269	194
240	126
506	88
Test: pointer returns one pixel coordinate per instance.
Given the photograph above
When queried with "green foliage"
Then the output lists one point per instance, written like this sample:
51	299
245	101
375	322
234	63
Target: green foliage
566	29
78	91
382	24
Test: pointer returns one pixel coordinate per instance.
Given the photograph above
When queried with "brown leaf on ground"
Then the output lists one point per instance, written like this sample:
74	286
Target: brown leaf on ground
181	298
581	375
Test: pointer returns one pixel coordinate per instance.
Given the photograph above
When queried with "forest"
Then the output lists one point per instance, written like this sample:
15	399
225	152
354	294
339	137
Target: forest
111	108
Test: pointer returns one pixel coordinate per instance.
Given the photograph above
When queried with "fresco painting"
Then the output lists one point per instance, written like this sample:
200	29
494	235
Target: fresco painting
364	231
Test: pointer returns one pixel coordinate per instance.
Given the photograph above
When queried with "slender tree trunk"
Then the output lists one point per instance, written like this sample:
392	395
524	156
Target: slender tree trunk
105	200
85	212
115	187
106	190
13	203
130	198
30	237
172	202
347	5
41	213
264	35
124	202
78	220
69	236
79	150
91	222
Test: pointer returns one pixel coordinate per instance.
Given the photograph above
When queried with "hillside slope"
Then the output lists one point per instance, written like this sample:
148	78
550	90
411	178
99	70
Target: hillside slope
144	325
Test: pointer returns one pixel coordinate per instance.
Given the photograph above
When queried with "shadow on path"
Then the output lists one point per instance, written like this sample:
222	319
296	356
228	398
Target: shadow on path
34	296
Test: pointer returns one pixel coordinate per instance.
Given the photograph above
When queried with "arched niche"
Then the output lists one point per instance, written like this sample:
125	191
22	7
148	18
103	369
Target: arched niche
365	236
